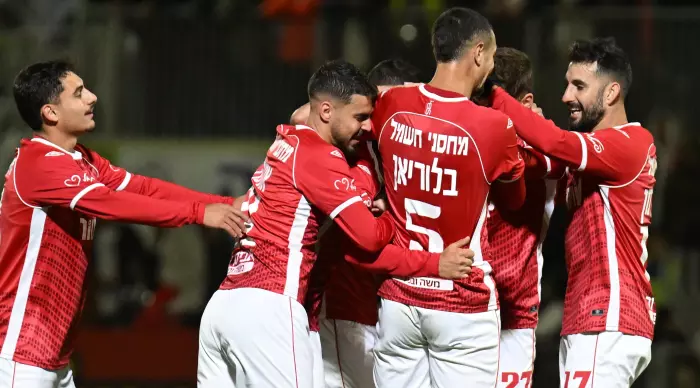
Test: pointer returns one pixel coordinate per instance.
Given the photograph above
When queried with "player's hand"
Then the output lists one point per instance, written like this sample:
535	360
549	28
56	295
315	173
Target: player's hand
226	217
456	260
378	206
537	109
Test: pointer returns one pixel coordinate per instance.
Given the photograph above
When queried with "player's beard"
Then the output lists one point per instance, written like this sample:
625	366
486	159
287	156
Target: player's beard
590	116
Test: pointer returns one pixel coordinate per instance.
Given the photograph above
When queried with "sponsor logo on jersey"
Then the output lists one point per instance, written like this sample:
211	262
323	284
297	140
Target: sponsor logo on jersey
241	262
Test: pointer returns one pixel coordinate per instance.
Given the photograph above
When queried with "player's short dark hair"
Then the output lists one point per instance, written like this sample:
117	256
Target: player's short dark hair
37	85
456	30
611	59
393	72
513	70
341	80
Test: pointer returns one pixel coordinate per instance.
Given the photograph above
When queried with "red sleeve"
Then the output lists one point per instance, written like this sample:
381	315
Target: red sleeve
539	165
324	179
118	179
610	154
58	181
508	187
397	261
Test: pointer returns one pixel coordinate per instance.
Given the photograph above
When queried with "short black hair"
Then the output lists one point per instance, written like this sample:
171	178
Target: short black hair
393	72
37	85
609	57
341	80
455	30
513	70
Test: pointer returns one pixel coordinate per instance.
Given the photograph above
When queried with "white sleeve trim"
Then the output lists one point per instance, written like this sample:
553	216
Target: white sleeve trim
125	182
82	193
344	205
584	152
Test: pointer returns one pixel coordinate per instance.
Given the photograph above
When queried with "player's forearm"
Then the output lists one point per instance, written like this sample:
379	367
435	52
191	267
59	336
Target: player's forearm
104	203
538	132
160	189
397	261
368	233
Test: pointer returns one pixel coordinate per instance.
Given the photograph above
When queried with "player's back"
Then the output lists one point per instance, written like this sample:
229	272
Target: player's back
440	153
44	253
280	250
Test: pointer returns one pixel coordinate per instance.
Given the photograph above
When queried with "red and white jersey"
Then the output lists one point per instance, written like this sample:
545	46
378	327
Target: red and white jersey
350	292
515	241
50	200
609	196
440	153
303	181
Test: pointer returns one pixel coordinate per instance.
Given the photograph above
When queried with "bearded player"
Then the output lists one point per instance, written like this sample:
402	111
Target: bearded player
609	311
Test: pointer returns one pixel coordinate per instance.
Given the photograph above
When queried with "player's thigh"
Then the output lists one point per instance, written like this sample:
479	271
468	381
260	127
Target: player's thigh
17	375
353	360
267	335
400	354
516	358
607	359
214	368
462	345
318	359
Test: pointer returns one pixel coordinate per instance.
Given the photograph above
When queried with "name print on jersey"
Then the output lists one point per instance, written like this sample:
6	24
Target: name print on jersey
431	175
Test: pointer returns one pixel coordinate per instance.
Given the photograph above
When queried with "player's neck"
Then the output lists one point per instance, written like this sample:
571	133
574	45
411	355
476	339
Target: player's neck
617	116
450	77
323	129
61	139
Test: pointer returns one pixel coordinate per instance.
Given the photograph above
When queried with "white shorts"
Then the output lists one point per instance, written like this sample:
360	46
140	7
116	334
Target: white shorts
422	348
254	338
517	358
17	375
606	360
318	359
347	346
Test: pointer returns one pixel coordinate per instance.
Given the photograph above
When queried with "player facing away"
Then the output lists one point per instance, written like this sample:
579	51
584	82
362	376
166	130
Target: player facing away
348	329
55	189
254	330
609	310
515	237
441	153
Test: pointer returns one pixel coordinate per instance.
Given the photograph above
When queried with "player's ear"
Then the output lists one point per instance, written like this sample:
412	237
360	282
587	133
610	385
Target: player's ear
479	53
612	93
527	100
49	114
325	111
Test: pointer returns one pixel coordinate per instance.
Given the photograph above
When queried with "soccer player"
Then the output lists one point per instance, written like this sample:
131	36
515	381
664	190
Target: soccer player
348	330
609	310
254	330
515	237
441	153
55	189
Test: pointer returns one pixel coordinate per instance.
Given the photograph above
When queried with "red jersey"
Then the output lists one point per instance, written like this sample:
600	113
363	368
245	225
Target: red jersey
303	181
515	241
50	201
350	293
440	153
609	198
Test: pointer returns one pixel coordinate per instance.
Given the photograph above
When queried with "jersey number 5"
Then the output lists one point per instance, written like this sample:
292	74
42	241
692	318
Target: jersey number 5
422	209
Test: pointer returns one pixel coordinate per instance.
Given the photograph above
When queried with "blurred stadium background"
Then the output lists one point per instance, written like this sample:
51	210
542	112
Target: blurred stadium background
191	90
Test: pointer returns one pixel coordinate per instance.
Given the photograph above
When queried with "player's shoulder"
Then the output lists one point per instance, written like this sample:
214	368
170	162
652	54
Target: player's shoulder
38	151
309	146
632	134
